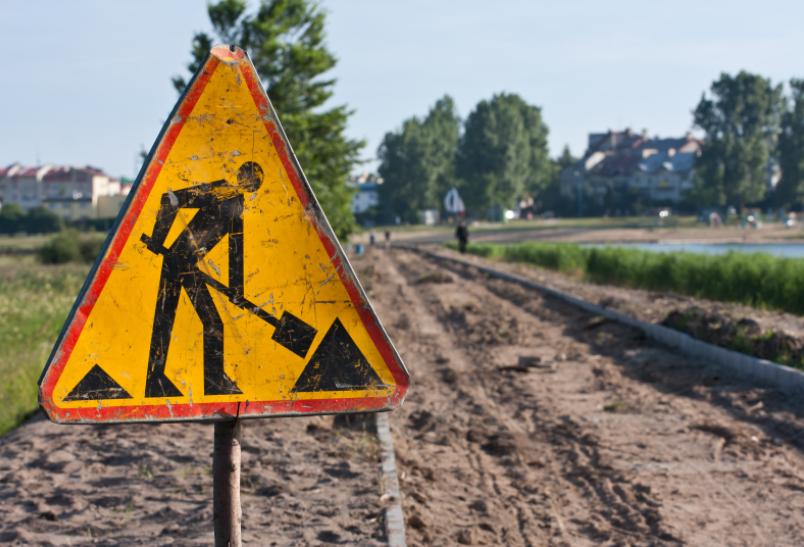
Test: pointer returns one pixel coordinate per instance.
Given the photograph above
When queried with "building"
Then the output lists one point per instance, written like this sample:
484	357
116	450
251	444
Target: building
70	192
367	195
657	170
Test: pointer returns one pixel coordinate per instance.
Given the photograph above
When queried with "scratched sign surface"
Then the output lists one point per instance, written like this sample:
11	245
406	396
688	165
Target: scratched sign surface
223	291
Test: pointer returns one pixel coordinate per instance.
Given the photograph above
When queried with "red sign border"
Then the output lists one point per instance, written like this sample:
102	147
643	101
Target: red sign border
96	281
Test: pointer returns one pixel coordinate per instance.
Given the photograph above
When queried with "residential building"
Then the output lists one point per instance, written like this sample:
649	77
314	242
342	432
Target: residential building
658	170
367	195
71	192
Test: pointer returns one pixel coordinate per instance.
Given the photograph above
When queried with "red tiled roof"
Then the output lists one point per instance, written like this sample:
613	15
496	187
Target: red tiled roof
26	172
60	172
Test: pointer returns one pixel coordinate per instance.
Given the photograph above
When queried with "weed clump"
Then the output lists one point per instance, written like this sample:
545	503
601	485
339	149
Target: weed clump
69	246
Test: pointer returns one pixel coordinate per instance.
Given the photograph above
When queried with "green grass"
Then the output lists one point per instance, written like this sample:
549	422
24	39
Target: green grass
549	224
22	243
34	302
756	279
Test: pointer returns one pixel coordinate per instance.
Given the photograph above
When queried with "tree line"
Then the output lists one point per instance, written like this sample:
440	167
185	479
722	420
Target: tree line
499	156
496	157
752	127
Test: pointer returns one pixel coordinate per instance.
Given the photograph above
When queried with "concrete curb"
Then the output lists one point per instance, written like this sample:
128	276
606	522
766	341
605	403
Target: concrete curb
394	517
784	378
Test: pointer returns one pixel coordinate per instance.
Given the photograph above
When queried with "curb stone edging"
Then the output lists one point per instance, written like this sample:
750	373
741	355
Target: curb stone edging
784	378
394	517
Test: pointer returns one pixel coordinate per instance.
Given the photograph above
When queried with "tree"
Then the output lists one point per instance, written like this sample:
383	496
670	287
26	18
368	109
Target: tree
417	162
740	119
566	159
551	197
791	149
502	154
404	190
11	217
41	220
285	40
442	128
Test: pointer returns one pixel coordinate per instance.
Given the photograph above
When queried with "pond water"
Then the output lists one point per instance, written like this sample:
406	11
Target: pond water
787	250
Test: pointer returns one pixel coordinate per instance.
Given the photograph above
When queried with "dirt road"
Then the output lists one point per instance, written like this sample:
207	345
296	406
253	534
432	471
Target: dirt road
527	423
304	482
530	423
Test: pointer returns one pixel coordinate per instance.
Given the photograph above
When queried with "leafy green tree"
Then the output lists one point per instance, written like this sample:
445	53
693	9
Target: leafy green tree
551	198
791	149
502	154
442	128
740	119
566	159
404	190
11	217
417	162
285	40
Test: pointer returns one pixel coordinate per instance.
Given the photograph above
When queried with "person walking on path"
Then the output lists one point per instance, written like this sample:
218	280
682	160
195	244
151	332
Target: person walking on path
462	234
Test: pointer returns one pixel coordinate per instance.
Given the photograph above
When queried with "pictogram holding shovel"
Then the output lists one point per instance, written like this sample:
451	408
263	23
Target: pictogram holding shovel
219	213
290	332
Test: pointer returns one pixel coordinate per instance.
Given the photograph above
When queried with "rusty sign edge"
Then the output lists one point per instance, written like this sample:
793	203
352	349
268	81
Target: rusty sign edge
114	242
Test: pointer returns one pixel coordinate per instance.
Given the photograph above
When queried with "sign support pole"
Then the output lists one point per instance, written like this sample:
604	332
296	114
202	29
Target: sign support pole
226	484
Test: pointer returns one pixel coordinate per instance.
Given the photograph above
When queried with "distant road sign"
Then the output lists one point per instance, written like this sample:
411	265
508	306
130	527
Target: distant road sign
223	291
453	202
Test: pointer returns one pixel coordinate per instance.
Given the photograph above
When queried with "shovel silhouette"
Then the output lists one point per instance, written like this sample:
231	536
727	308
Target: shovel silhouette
290	332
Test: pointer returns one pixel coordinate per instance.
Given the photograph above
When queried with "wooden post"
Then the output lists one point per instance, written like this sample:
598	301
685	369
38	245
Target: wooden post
226	484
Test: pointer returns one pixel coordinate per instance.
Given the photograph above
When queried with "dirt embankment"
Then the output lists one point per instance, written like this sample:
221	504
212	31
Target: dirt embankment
531	423
764	333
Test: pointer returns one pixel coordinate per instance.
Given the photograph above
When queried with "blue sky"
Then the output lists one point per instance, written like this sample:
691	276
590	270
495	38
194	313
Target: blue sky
88	81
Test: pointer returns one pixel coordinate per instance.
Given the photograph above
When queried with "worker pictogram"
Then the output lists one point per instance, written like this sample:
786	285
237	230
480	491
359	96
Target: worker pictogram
223	291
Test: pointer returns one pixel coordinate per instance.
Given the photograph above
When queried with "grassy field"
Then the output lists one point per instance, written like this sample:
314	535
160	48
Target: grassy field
548	224
34	302
22	243
756	279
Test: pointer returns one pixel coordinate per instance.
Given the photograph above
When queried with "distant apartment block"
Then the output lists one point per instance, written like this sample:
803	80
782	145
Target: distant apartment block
367	195
660	170
71	192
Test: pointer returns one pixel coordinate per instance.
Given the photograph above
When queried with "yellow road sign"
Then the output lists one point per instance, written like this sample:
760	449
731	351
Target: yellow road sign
223	291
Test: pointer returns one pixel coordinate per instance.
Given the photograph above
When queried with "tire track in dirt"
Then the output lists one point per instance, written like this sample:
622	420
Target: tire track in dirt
577	431
625	513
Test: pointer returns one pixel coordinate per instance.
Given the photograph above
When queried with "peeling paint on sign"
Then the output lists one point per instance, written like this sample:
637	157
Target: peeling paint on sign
223	291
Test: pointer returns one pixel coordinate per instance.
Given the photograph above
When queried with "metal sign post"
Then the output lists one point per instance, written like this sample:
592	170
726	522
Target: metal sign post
227	513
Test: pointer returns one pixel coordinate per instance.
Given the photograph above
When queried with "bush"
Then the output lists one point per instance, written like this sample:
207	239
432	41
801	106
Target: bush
60	249
11	216
90	248
755	279
41	220
69	246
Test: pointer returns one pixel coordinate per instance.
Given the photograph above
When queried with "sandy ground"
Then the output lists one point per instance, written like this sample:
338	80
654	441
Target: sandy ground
527	423
304	482
531	423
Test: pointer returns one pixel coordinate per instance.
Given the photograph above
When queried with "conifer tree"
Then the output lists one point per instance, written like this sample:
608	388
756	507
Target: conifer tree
285	41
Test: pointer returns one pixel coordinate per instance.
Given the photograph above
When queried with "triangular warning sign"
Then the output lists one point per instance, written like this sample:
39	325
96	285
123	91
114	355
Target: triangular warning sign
222	291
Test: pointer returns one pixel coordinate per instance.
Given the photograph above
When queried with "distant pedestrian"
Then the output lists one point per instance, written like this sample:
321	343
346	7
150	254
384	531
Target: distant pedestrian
387	238
462	234
372	238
